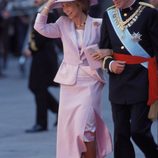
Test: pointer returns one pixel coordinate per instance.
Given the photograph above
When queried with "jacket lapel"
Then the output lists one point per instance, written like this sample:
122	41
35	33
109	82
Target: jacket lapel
87	33
73	36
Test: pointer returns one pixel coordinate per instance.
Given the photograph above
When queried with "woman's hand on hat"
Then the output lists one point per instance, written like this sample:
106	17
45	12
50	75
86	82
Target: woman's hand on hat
49	4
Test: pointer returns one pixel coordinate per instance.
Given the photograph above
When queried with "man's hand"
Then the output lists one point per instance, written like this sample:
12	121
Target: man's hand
5	14
27	53
118	66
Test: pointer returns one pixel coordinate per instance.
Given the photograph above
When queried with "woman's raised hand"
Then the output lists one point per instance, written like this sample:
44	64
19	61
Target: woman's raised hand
49	4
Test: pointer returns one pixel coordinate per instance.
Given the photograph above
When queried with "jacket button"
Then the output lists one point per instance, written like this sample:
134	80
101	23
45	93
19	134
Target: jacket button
122	47
125	14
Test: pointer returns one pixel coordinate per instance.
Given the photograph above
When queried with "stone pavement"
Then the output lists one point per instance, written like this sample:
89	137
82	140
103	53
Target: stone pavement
17	114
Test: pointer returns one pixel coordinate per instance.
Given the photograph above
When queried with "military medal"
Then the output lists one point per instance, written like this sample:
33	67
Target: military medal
136	37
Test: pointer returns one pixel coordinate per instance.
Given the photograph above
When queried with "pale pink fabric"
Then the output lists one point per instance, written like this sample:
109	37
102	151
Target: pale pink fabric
65	29
81	89
90	129
76	102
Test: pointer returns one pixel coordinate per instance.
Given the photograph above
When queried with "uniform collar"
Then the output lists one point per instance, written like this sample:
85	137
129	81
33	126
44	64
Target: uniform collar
132	7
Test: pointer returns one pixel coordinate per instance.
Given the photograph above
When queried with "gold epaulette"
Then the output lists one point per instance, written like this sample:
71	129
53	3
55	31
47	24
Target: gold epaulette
113	6
33	45
146	4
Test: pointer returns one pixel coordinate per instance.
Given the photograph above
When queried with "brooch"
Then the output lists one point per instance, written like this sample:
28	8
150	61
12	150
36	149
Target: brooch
136	37
96	24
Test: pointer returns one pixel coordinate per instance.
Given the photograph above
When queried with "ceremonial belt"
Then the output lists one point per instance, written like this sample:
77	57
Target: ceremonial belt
152	73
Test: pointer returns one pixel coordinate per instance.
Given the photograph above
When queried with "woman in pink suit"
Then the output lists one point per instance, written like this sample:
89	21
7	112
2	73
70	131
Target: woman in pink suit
81	131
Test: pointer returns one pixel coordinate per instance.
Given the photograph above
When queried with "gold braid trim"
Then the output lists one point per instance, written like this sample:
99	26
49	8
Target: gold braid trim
104	61
33	45
129	21
146	4
32	42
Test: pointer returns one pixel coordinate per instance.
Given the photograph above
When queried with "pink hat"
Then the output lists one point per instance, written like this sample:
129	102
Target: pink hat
57	3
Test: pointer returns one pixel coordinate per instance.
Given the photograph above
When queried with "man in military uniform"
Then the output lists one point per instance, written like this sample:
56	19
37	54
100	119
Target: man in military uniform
129	28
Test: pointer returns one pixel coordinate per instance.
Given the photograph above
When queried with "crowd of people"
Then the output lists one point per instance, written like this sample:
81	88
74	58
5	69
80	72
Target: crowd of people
15	18
120	41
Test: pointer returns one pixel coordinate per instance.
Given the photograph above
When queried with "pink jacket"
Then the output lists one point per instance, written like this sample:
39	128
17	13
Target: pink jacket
64	28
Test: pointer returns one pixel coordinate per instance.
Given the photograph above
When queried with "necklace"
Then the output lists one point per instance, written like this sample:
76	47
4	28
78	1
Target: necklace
80	25
83	22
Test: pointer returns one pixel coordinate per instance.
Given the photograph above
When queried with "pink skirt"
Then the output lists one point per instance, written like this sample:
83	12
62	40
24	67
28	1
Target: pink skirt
80	105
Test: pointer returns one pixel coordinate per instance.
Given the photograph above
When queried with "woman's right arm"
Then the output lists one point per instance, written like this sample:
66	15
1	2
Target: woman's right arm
50	30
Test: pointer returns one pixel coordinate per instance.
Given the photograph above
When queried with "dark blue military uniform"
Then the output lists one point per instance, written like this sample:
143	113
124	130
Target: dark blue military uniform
128	91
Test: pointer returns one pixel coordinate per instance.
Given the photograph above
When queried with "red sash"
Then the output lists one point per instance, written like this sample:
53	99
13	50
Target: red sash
152	73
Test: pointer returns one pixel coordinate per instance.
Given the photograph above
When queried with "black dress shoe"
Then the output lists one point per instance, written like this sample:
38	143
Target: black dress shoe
35	129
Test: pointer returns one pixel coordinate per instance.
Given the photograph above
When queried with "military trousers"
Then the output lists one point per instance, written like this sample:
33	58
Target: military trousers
131	122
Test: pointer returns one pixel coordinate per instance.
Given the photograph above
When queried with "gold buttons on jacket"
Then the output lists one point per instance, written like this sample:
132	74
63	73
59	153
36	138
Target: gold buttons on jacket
122	47
125	14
